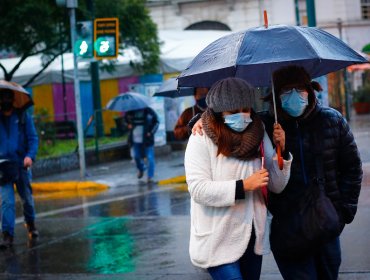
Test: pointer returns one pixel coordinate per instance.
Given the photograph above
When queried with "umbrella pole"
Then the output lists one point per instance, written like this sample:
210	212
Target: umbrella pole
273	99
278	148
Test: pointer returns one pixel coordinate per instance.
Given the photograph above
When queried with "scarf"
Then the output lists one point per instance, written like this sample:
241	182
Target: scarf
245	145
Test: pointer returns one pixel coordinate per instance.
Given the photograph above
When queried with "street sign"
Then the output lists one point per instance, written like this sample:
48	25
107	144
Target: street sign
83	47
106	32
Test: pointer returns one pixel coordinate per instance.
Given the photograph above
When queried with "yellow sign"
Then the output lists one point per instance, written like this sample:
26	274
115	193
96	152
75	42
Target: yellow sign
106	38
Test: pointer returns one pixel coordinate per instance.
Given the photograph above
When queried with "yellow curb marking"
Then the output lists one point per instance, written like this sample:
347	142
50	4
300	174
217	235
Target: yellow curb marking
174	180
67	186
66	194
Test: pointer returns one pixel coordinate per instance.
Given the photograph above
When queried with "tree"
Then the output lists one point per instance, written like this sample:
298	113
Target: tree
31	27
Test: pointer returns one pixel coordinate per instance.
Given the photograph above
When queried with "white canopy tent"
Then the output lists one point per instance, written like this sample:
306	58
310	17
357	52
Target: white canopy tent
177	50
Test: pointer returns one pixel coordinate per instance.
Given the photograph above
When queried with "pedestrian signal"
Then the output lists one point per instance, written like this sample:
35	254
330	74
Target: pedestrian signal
83	46
106	32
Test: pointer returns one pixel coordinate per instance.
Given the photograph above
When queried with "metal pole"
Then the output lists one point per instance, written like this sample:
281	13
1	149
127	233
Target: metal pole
95	81
72	4
345	76
63	78
297	18
311	13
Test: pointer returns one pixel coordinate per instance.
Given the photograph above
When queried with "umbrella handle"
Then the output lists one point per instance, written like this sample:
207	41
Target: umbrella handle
279	157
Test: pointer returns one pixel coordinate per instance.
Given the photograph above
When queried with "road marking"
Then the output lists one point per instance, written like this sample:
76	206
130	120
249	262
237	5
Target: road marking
90	204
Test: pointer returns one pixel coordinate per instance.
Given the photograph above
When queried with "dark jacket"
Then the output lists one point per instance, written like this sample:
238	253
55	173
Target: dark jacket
181	130
18	137
146	118
341	160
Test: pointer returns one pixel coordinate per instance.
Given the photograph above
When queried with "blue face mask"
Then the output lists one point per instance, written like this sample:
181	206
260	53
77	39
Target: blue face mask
238	122
294	103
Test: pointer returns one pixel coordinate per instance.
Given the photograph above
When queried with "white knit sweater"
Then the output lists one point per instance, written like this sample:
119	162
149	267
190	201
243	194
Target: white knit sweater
220	225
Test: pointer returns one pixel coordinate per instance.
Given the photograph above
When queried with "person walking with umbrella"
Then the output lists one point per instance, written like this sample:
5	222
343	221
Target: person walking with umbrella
304	119
142	123
227	169
18	148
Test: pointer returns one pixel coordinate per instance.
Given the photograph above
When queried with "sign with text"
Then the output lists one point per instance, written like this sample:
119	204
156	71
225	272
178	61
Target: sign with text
106	35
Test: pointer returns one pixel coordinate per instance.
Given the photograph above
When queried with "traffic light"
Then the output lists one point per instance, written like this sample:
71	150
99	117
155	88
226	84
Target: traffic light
106	34
83	46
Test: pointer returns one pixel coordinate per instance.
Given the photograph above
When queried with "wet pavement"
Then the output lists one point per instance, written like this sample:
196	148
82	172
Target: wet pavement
138	231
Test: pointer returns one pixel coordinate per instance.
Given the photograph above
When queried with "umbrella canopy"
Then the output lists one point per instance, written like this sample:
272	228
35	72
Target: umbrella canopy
22	99
256	53
128	101
170	88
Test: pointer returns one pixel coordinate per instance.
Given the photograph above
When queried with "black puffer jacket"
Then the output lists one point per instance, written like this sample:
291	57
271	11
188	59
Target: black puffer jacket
342	164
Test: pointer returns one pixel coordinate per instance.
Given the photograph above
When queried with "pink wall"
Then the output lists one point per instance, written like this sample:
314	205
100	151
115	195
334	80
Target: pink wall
59	104
123	83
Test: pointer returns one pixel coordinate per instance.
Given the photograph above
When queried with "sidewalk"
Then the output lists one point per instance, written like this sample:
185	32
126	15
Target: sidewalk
123	172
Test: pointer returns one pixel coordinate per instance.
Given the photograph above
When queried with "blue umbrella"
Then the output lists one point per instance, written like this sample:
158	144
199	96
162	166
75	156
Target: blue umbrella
170	88
256	53
128	101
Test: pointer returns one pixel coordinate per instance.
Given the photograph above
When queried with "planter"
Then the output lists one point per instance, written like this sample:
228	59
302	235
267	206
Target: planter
361	107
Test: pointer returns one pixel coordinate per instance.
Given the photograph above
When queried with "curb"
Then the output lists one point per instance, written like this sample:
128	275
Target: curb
173	180
67	186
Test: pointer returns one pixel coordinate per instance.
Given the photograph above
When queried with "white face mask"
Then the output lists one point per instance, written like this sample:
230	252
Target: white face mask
238	122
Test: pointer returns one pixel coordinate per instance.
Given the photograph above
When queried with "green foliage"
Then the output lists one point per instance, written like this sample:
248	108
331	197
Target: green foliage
362	94
30	27
66	146
41	119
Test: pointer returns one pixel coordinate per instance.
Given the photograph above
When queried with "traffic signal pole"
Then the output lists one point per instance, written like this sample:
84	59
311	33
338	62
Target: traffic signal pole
311	13
95	83
72	5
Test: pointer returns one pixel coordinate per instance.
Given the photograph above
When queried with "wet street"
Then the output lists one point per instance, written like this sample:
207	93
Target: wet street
138	231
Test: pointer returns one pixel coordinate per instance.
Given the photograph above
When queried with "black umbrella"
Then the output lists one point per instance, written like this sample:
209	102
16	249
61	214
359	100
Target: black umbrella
170	89
254	54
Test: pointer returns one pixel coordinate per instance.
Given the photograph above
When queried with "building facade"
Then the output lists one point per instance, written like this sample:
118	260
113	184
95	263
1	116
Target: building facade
349	20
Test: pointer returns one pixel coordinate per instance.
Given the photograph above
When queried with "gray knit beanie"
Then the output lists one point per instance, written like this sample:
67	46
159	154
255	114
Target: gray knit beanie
230	94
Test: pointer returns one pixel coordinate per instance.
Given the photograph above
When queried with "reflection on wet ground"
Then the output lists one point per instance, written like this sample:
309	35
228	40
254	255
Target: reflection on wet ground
154	201
119	231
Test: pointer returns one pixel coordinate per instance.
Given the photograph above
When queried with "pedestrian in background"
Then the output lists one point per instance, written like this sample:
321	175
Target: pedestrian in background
142	125
181	130
18	145
227	169
304	119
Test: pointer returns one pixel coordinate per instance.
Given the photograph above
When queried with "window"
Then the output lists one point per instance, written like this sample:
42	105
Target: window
365	9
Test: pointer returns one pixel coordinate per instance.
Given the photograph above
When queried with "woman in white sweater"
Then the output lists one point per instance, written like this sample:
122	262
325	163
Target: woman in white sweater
227	170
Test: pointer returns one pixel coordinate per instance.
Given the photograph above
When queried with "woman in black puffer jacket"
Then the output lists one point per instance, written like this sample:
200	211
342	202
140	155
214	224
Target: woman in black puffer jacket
301	117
